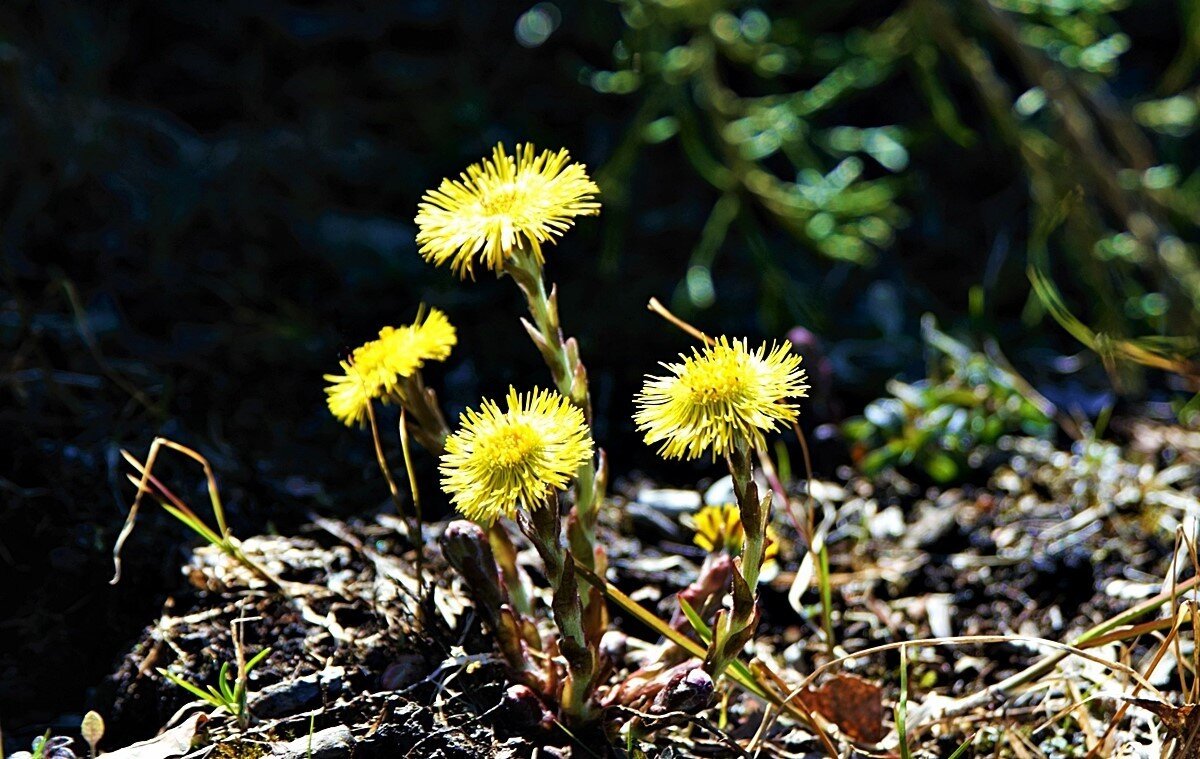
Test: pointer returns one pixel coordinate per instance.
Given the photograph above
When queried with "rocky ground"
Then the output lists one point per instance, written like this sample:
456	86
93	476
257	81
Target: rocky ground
369	659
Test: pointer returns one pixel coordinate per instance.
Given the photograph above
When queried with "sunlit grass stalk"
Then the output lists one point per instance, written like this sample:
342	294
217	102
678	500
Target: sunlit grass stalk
825	585
418	520
381	461
219	537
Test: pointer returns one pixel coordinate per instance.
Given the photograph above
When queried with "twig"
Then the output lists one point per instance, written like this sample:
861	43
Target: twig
658	308
692	718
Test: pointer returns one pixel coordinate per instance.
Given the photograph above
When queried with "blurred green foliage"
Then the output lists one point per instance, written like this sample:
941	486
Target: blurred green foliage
766	101
949	422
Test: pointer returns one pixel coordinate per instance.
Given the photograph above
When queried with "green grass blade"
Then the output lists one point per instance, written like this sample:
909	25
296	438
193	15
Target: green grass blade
738	671
961	751
698	624
195	525
257	658
190	688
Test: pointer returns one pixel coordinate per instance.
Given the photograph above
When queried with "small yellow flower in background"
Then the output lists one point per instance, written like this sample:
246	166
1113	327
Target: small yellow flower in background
718	396
502	203
719	528
502	460
375	368
349	394
401	351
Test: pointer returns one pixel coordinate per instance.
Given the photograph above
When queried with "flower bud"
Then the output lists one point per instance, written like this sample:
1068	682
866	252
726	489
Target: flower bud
523	709
688	690
613	645
465	545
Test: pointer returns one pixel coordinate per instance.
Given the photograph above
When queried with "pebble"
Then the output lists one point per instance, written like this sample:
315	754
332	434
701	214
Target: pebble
669	500
331	743
721	491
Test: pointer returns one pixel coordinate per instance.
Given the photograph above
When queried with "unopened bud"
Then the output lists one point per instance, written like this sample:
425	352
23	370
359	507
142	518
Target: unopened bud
466	547
523	709
687	691
613	645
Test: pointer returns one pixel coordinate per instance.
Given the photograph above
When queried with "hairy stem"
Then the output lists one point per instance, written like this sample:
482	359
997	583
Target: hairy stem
543	530
570	378
735	628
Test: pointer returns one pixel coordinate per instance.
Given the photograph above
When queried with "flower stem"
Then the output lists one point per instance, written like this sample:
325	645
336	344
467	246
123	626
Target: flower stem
570	378
733	629
543	530
430	429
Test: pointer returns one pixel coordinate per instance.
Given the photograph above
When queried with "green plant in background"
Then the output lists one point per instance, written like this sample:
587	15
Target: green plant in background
230	692
760	99
679	55
942	424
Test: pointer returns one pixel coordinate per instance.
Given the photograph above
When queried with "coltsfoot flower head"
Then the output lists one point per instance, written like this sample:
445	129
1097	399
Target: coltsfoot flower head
501	203
349	394
718	396
502	460
375	368
719	528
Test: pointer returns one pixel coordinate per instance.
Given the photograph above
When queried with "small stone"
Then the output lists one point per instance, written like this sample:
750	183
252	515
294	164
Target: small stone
721	491
669	500
331	743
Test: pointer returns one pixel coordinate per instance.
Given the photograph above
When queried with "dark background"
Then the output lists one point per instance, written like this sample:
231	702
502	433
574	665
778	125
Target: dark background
205	205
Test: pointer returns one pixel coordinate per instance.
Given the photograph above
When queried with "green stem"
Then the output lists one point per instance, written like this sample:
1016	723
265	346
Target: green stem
735	628
543	530
430	429
570	378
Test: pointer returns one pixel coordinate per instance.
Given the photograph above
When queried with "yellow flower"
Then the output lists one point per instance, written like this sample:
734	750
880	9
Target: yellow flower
376	368
719	528
503	203
718	396
401	351
501	460
349	394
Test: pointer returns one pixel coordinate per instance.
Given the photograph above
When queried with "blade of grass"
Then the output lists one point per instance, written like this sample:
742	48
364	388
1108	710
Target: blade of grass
698	624
207	698
902	706
961	751
737	670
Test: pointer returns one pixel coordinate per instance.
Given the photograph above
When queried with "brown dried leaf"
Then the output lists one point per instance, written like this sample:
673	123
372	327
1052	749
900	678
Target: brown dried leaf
850	702
1174	718
1180	722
